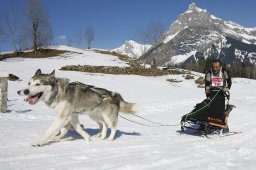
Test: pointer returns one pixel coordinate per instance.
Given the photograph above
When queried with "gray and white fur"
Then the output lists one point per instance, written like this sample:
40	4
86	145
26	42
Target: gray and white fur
72	99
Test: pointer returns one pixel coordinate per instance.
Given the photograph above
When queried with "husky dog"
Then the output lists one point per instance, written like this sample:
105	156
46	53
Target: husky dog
71	99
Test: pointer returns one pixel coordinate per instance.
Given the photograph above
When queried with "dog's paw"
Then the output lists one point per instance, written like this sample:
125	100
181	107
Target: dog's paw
110	139
87	139
103	137
37	144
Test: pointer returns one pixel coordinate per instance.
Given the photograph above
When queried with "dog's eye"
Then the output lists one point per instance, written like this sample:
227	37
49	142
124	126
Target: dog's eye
37	84
29	83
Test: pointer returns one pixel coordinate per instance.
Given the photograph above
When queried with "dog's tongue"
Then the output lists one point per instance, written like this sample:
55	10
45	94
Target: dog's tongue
32	100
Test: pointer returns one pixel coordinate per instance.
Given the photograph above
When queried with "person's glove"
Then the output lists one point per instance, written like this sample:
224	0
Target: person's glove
207	91
226	89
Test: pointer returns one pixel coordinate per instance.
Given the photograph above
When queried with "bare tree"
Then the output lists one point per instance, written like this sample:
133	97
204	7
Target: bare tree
150	34
79	37
89	35
40	25
23	39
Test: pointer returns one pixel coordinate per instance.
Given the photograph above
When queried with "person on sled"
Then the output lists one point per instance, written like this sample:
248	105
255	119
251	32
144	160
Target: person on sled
212	113
217	85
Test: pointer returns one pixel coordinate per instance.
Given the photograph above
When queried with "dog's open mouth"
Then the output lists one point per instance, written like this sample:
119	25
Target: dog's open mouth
33	99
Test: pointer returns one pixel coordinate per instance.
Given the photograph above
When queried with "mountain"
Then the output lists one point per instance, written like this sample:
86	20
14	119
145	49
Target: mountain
132	49
197	34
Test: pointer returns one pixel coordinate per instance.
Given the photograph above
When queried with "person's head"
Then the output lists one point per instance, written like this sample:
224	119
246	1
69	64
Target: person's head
216	66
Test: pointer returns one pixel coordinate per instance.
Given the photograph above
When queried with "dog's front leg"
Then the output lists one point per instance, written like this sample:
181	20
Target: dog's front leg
62	133
53	129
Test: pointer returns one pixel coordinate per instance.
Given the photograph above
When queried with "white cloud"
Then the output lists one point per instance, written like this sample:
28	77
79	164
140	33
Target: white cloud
62	37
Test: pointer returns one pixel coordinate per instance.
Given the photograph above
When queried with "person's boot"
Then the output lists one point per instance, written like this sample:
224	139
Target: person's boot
225	130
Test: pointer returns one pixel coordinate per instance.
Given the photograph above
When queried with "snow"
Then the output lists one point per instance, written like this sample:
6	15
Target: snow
181	58
135	146
245	41
215	18
230	32
132	49
67	48
170	37
188	11
252	57
234	25
74	57
248	37
239	31
240	54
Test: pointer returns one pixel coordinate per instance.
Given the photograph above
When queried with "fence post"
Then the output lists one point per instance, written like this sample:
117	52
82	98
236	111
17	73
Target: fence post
3	94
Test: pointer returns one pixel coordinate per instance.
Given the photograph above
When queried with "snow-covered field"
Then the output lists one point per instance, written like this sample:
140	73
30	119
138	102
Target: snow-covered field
136	147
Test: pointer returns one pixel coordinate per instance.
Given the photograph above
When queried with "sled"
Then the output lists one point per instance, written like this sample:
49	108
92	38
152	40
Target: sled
210	117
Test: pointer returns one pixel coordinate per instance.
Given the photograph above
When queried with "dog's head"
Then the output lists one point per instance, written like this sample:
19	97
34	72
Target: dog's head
39	87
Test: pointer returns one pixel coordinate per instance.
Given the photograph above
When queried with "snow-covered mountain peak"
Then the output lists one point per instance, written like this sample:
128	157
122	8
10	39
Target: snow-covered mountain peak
131	42
196	17
198	30
192	18
193	7
132	49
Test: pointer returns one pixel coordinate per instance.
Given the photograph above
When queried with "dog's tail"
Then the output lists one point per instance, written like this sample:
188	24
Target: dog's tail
125	107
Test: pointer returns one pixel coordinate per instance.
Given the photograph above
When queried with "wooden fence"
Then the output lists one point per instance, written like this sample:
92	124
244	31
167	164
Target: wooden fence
3	94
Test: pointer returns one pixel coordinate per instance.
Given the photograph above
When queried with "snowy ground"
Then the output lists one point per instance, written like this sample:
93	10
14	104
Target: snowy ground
136	147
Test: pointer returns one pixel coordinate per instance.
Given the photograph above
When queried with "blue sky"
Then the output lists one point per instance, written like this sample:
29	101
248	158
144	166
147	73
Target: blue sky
116	21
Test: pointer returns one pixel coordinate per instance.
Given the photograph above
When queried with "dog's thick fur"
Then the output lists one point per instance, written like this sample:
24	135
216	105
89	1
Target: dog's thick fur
71	99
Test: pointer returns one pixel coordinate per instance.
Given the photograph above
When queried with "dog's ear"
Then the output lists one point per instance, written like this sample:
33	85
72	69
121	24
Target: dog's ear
38	72
53	73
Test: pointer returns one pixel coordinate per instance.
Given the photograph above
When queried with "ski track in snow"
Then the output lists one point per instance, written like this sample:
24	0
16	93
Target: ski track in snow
135	147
